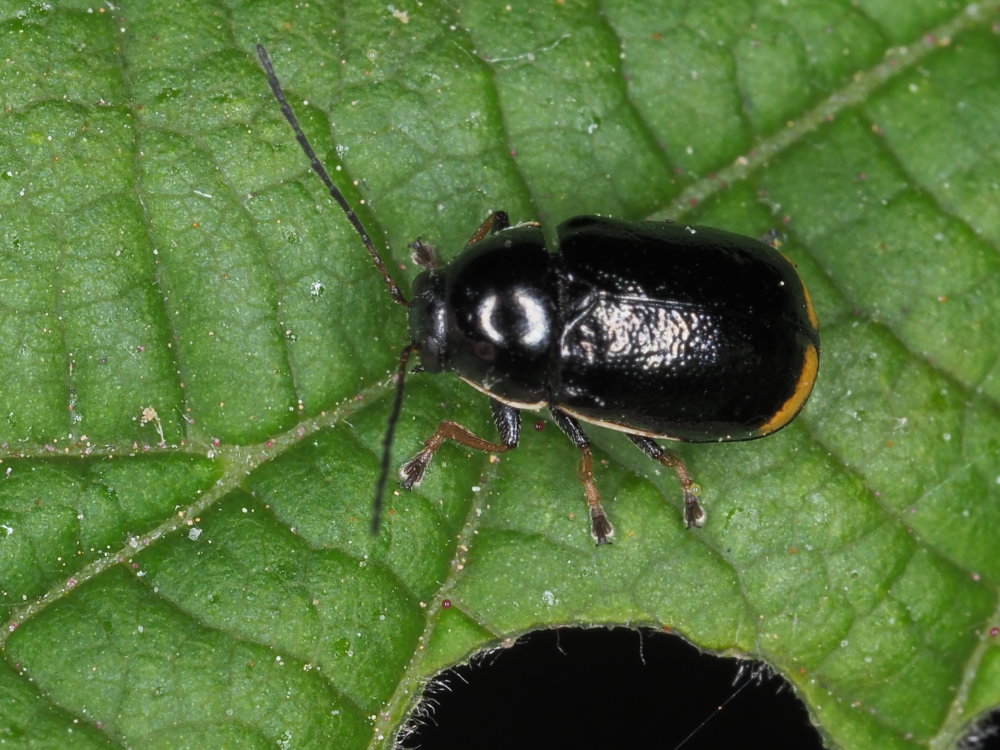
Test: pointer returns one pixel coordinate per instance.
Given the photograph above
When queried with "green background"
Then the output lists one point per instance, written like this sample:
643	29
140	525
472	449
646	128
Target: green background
164	248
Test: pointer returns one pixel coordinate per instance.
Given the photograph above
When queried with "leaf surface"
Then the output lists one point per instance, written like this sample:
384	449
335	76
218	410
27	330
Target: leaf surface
194	384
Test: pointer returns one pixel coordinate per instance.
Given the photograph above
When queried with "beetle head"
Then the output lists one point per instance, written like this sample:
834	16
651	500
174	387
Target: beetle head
429	321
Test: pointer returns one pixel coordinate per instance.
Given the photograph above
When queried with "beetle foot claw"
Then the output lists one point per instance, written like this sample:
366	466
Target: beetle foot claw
412	472
694	514
601	528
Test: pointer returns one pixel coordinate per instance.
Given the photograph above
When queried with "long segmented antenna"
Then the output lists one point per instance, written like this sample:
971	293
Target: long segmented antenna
390	430
320	170
394	291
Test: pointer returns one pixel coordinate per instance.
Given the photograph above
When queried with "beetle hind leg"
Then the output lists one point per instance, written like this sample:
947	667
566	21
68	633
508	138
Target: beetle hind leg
694	514
600	527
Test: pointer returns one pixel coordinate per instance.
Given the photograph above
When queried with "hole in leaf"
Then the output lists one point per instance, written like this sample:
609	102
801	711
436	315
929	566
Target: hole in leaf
608	688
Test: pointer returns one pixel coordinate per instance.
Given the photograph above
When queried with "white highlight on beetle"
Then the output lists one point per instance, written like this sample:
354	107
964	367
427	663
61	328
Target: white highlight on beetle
530	326
651	337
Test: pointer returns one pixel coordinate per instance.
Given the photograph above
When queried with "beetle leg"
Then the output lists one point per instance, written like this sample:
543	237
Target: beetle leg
508	423
424	255
694	514
600	527
495	222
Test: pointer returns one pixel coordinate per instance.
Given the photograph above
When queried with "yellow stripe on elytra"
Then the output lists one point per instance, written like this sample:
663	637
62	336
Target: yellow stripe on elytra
804	386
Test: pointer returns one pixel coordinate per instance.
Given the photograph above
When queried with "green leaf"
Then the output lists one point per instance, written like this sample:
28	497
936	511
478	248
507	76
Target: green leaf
194	383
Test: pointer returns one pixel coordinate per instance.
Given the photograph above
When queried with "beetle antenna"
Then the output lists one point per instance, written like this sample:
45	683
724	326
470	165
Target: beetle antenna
390	431
320	170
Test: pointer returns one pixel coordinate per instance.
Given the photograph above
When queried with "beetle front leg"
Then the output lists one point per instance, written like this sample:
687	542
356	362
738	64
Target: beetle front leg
508	423
425	255
495	222
600	527
694	514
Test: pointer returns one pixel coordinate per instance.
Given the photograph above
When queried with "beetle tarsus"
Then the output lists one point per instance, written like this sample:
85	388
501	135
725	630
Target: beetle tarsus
600	527
412	472
694	514
424	255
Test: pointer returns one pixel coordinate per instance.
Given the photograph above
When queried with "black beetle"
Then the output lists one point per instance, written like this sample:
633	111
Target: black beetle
654	329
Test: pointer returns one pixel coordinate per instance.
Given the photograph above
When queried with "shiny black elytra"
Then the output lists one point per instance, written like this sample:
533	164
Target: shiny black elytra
654	329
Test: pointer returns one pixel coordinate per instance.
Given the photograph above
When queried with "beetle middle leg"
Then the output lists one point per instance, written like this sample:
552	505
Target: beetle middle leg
694	514
600	527
508	423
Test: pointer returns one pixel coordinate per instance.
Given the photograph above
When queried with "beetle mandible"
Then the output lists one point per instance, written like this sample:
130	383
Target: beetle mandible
654	329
